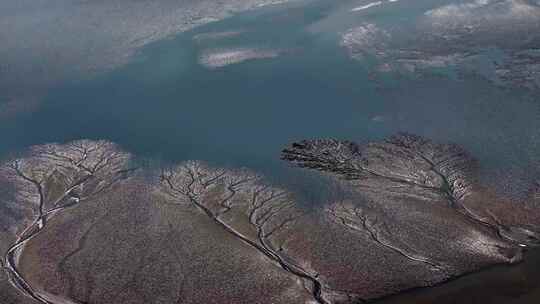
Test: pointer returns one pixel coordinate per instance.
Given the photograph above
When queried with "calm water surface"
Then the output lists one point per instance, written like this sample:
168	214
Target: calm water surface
166	105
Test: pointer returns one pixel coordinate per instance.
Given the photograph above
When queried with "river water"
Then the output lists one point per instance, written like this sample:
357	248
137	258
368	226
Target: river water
166	107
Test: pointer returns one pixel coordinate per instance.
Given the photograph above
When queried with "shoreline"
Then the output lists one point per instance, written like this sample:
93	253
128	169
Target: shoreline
518	283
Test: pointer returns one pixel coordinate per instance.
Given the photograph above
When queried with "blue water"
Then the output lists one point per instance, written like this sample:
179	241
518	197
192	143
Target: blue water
165	106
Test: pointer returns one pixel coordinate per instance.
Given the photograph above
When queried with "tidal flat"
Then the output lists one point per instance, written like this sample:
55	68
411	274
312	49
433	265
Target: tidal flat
303	152
403	213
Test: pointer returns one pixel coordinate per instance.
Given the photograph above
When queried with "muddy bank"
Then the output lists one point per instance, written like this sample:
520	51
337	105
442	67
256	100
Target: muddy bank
402	213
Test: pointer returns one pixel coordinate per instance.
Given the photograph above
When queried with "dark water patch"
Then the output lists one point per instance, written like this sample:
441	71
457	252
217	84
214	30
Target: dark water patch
516	284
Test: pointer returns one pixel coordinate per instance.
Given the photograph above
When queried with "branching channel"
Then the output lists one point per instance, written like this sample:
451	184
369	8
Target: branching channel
267	210
54	178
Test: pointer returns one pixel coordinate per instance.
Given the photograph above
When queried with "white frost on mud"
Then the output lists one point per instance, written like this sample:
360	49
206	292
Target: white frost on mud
219	58
366	39
509	25
363	7
456	36
371	41
210	36
455	10
274	2
43	43
435	61
101	34
484	14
